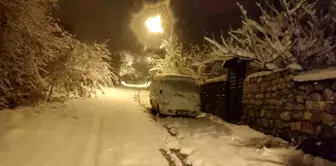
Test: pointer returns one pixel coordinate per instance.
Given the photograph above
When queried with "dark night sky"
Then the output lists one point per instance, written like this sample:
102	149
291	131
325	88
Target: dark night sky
109	19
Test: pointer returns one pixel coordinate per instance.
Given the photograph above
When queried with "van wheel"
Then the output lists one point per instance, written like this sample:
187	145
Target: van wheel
158	108
153	109
158	113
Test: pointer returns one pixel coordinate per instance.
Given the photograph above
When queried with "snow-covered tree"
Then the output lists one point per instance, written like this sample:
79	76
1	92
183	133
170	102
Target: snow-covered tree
296	34
33	49
177	61
82	70
168	64
127	61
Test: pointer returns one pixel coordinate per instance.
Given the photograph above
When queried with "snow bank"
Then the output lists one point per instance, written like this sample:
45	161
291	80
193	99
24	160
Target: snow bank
298	158
210	141
315	75
146	85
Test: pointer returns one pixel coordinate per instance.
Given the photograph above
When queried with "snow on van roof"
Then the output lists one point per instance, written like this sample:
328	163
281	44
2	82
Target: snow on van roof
171	75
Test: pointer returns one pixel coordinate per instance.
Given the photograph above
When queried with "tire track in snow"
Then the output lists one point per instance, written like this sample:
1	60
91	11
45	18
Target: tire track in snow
99	143
90	157
167	157
181	157
165	154
121	121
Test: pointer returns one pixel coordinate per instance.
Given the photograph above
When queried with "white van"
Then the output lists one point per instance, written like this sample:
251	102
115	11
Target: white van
172	94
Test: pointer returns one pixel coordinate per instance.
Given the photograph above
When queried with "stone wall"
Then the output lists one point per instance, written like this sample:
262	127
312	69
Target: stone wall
276	104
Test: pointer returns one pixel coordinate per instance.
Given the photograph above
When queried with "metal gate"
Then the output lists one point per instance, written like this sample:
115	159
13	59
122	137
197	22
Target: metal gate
234	92
213	99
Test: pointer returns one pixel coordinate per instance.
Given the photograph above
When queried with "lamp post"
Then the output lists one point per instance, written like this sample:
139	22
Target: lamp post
154	26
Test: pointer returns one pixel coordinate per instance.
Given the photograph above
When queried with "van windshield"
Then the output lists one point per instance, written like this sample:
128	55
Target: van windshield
184	85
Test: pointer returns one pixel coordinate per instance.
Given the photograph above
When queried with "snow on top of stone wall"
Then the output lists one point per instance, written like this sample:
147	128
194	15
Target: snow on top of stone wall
259	74
315	75
214	80
293	66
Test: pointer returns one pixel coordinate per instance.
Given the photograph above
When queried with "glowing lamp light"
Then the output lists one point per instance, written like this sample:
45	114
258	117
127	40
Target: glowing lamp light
154	25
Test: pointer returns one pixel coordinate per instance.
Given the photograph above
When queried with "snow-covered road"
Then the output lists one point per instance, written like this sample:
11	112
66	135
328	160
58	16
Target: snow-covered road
111	130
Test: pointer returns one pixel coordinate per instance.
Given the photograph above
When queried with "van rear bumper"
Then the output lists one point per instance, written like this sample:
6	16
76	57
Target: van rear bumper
172	112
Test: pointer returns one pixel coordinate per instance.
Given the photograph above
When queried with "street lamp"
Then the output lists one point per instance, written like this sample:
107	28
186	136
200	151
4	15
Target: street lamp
154	24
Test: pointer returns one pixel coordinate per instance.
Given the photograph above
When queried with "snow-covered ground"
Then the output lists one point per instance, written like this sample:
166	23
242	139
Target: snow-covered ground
213	144
111	130
209	141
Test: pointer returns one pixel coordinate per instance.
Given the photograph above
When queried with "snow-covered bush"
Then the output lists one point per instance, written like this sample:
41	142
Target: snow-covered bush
297	34
82	70
32	43
178	61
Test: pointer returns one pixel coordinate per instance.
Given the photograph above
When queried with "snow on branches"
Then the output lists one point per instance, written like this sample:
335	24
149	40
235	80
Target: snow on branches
178	61
127	61
82	70
297	34
172	58
35	51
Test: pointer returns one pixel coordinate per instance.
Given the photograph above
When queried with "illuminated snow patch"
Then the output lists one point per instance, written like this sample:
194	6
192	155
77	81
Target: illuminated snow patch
146	85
